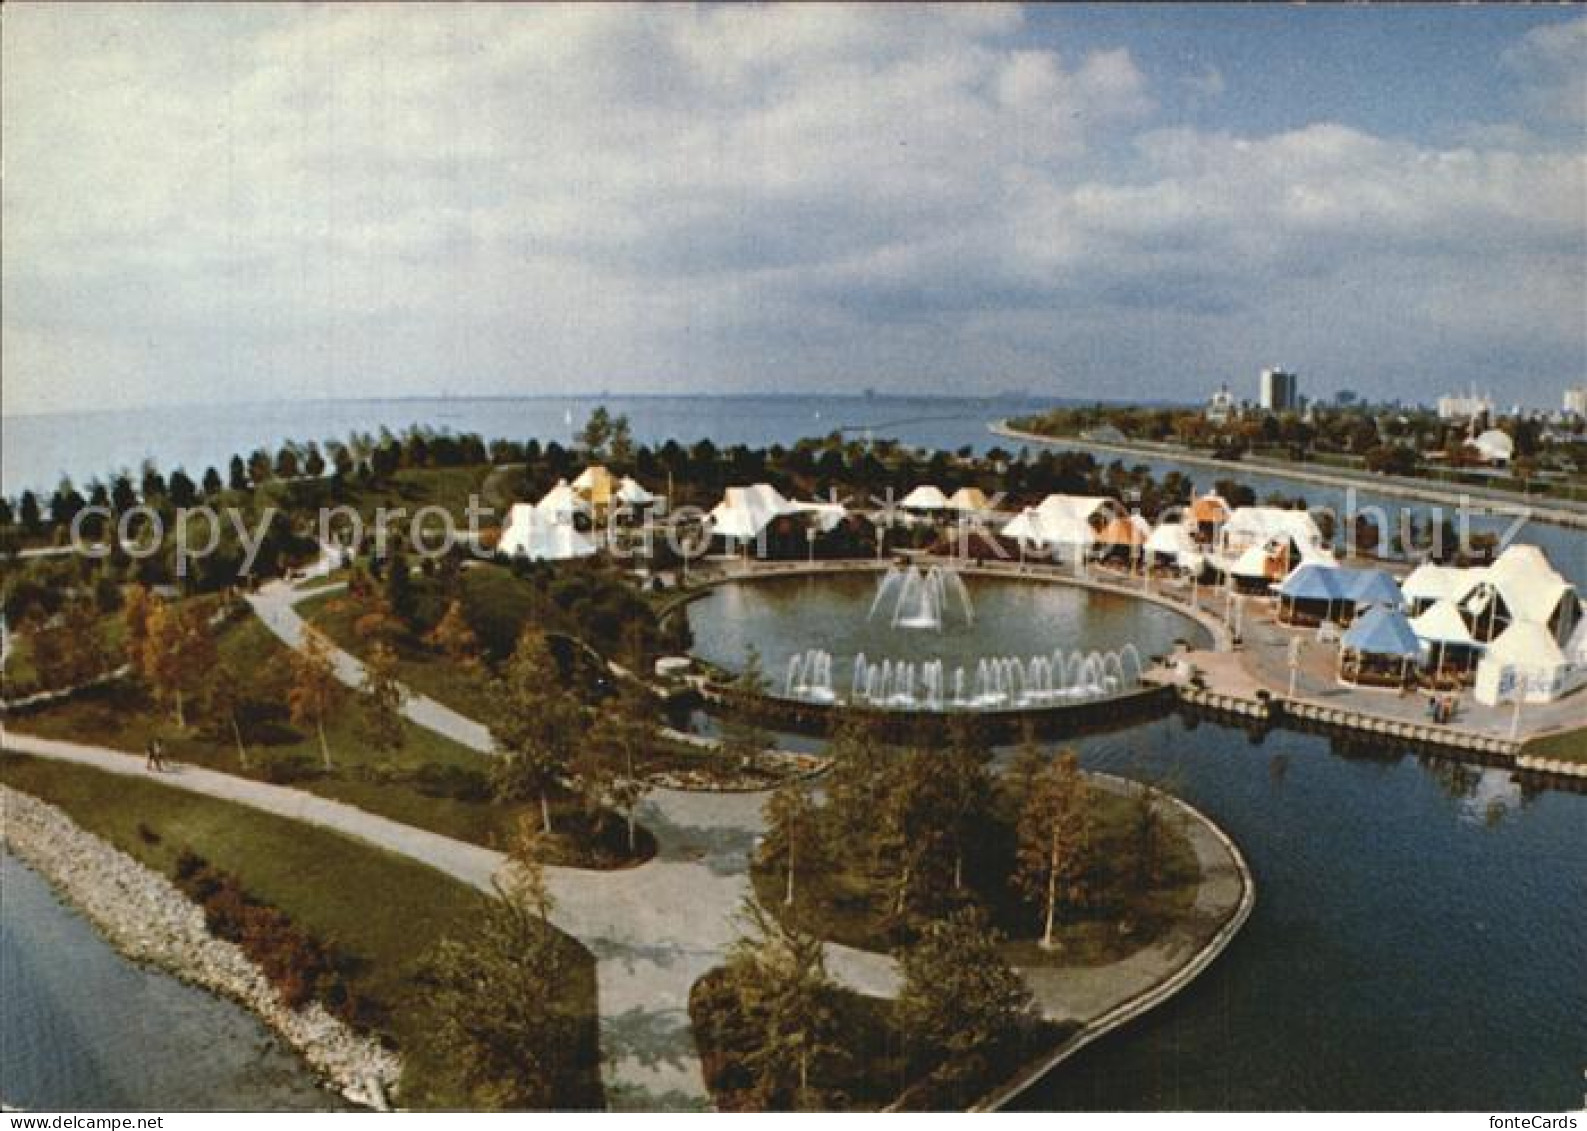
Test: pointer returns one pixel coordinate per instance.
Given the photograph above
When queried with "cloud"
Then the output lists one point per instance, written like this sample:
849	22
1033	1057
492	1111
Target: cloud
1551	62
203	202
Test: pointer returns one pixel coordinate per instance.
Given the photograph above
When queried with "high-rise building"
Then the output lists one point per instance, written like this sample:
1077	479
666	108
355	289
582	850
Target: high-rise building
1465	406
1280	391
1576	400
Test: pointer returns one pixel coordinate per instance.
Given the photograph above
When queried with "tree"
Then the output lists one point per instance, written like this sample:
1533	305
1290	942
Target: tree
785	996
856	784
237	474
315	691
742	739
382	696
1146	835
968	789
912	827
29	512
399	588
534	726
455	638
178	654
525	876
629	732
68	649
135	609
597	431
960	999
212	482
501	1016
227	700
1054	836
791	834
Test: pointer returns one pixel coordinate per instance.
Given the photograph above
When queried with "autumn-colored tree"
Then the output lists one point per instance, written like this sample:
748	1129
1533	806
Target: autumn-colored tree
525	875
382	695
135	609
178	654
315	691
456	640
1054	840
535	725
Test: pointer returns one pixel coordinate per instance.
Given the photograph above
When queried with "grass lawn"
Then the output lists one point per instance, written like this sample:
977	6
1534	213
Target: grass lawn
20	678
382	911
1569	746
430	782
427	672
849	904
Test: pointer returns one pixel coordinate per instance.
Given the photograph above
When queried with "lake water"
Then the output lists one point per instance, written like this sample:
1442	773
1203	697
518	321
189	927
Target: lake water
83	1029
1420	933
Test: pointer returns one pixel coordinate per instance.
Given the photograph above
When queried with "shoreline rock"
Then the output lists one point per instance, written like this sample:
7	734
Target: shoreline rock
144	917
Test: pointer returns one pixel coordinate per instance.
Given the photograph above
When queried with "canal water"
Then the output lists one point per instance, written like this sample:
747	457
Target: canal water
83	1029
1419	939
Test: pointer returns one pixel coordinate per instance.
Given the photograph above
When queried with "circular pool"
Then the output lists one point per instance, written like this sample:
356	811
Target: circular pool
934	639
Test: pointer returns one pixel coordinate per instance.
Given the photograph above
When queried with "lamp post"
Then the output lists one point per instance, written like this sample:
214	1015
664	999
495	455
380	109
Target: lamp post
1294	664
810	542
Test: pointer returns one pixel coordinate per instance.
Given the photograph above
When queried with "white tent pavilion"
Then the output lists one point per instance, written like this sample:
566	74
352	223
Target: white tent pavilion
1049	530
926	497
561	503
630	491
1441	625
1526	662
532	534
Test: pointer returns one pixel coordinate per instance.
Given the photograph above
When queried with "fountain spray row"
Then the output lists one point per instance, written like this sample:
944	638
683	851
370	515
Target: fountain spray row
994	682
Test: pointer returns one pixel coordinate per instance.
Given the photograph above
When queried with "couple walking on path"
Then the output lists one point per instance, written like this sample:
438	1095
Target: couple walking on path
154	755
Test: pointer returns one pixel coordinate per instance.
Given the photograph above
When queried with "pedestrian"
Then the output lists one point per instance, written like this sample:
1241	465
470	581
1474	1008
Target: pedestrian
149	757
158	748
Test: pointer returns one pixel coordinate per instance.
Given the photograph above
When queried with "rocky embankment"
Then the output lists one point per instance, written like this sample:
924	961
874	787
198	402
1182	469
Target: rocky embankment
146	918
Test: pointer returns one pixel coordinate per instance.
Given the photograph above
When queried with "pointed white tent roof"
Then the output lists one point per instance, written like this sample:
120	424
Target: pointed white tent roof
1441	623
745	511
1525	644
1171	539
561	503
926	497
1432	582
1261	524
1078	508
632	493
1528	583
1252	562
1034	527
531	533
971	499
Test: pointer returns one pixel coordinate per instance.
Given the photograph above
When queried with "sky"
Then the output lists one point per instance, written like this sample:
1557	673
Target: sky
227	204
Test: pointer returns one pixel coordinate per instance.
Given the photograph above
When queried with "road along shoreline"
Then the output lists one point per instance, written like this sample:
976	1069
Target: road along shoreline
1480	499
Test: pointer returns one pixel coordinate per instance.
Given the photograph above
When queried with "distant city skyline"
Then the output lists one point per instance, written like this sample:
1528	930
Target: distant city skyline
211	204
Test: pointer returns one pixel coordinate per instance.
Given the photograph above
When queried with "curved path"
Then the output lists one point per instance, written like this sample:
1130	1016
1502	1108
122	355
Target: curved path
656	928
653	929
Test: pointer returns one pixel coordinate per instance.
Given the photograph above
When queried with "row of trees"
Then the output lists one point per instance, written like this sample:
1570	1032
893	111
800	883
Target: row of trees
548	738
930	830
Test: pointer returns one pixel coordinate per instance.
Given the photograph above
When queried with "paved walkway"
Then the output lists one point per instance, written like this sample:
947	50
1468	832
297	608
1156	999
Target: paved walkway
656	928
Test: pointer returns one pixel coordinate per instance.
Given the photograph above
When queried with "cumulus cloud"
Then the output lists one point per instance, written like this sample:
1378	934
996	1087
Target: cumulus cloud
207	202
1551	62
